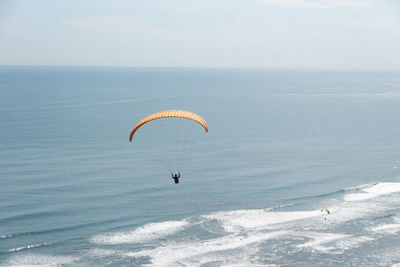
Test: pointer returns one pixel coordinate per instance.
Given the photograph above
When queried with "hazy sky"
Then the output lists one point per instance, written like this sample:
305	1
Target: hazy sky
202	33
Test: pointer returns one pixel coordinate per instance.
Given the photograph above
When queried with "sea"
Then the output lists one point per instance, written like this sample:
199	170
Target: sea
298	168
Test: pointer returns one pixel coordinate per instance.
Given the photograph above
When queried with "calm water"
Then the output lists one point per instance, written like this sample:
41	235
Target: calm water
282	145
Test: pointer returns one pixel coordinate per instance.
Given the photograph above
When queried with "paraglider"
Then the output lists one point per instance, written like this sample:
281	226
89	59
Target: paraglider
170	114
325	210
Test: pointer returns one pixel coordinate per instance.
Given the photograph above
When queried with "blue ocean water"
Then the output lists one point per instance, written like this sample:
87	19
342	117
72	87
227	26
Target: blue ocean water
283	146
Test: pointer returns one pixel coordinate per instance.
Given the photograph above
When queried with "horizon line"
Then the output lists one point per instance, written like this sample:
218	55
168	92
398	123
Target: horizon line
204	67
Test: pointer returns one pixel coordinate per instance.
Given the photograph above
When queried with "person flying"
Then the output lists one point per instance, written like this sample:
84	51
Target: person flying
176	177
169	114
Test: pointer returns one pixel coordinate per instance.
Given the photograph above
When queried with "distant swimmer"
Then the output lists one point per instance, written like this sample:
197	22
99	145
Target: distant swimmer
176	177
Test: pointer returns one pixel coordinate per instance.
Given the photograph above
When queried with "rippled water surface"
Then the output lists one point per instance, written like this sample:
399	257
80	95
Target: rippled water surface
298	167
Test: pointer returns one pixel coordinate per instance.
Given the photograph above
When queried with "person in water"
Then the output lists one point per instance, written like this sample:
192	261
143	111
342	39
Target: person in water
176	177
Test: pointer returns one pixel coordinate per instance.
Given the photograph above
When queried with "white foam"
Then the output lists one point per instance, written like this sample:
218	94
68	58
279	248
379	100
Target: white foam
168	254
319	241
28	247
374	191
388	228
332	242
353	242
259	219
28	260
242	232
236	221
143	233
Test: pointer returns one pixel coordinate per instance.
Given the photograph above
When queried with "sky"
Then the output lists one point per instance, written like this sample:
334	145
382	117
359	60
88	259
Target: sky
316	34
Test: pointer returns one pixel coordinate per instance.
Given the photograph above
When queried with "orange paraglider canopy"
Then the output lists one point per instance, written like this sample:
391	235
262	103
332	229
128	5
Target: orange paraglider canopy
170	114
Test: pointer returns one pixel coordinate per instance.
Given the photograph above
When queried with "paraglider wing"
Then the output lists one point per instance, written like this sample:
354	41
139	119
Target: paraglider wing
169	114
326	210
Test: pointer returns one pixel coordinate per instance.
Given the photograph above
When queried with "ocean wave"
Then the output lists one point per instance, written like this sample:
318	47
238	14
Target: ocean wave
29	247
391	228
55	230
26	216
171	253
371	191
335	243
238	220
20	260
238	235
243	246
319	239
143	233
387	228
